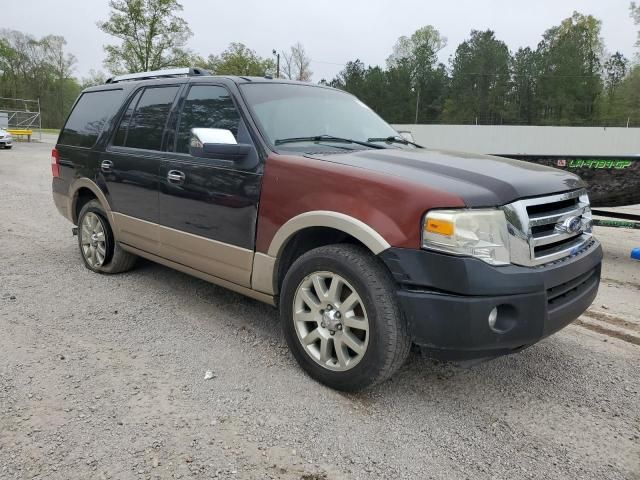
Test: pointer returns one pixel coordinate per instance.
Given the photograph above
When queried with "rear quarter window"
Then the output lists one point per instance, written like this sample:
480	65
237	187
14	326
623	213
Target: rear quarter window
89	116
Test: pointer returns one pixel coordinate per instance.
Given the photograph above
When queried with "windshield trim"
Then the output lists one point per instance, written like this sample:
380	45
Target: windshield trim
258	124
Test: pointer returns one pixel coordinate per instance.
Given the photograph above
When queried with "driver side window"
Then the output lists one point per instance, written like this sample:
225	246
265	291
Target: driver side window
206	106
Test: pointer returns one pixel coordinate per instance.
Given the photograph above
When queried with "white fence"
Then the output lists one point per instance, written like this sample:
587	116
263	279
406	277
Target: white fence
525	140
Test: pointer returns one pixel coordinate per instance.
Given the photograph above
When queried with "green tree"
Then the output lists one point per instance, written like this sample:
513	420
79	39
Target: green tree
615	69
622	107
401	94
635	16
419	54
570	81
152	36
94	78
388	92
32	68
629	95
61	86
238	59
420	49
368	84
351	78
523	104
375	90
479	80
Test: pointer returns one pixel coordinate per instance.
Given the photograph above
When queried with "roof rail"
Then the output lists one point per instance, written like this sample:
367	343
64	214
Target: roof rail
170	72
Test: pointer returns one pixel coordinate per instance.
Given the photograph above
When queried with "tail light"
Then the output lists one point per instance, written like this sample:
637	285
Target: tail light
55	163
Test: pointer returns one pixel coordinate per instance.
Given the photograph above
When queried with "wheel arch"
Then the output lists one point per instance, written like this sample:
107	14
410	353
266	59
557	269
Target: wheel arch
83	190
303	233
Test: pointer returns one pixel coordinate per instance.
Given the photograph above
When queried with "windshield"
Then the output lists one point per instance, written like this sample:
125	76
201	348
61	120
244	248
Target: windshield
286	111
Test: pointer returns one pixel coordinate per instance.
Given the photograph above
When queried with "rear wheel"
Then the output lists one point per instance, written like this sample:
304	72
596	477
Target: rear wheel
100	252
341	319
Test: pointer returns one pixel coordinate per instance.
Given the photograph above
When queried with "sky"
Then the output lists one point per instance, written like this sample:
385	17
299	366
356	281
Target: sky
332	31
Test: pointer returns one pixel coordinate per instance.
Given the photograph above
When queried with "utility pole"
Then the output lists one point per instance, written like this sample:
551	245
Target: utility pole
277	63
417	103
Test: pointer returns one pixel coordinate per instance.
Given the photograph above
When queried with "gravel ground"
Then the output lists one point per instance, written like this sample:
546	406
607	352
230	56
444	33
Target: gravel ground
103	377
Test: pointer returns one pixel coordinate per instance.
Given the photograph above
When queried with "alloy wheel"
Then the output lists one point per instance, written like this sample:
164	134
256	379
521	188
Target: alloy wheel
331	321
94	246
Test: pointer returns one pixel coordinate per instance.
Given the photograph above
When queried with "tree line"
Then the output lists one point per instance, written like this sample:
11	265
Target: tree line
151	36
32	68
568	79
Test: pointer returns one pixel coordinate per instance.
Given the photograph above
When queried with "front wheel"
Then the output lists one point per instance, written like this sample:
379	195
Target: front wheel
341	319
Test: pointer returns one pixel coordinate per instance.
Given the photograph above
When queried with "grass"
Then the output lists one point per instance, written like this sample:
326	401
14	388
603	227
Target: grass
55	131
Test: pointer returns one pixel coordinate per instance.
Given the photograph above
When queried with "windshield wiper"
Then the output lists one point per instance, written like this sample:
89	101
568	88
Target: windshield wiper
401	140
327	138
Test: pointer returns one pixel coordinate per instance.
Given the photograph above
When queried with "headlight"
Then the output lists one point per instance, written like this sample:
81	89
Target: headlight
477	233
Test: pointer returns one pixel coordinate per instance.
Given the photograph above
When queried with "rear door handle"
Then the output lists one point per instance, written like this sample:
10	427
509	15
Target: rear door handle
106	165
175	176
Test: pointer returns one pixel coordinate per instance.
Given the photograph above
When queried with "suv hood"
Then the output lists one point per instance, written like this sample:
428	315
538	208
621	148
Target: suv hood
479	180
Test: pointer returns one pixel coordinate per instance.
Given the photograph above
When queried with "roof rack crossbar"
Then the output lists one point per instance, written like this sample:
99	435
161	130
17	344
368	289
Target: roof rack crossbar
170	72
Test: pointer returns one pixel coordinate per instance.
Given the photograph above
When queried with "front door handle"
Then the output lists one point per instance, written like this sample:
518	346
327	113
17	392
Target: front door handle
106	165
176	177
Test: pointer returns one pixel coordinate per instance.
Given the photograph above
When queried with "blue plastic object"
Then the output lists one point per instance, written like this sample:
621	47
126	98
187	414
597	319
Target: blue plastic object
635	253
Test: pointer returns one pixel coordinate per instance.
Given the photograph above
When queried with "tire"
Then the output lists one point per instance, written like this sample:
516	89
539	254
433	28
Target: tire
109	256
382	347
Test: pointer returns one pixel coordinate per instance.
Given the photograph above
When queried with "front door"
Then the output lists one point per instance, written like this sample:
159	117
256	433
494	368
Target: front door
209	207
131	166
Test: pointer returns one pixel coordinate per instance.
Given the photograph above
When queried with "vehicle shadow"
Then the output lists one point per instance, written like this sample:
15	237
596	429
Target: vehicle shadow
544	367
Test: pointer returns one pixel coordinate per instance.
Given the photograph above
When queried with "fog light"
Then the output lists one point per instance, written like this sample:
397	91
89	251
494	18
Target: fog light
493	317
503	318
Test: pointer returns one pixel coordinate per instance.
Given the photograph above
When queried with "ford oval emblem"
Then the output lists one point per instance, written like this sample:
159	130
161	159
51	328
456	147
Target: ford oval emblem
571	225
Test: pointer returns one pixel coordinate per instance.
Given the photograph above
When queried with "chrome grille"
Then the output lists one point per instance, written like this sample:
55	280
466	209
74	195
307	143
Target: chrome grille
546	229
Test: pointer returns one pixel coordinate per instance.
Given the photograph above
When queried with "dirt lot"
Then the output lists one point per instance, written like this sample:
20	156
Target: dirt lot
103	377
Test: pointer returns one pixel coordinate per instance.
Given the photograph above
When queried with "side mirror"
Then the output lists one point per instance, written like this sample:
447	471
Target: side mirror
406	135
217	143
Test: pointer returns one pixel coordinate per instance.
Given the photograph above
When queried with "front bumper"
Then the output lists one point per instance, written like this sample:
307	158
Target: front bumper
447	300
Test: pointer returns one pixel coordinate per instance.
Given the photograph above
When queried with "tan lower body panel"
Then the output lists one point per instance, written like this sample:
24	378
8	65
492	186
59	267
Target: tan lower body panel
221	260
204	276
138	233
262	278
215	258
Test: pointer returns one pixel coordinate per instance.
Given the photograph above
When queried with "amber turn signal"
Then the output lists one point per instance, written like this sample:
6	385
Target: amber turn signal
441	227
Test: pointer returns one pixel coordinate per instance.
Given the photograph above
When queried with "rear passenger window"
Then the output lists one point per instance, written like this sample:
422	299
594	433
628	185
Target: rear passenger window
144	127
121	133
89	116
206	106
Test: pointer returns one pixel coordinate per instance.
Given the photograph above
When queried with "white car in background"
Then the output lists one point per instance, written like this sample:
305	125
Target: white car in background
6	140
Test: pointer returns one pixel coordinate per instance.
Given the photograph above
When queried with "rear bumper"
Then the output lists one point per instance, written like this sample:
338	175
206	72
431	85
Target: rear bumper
447	300
60	188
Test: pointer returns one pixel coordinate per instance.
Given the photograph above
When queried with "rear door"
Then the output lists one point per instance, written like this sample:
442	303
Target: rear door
208	207
81	140
131	165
